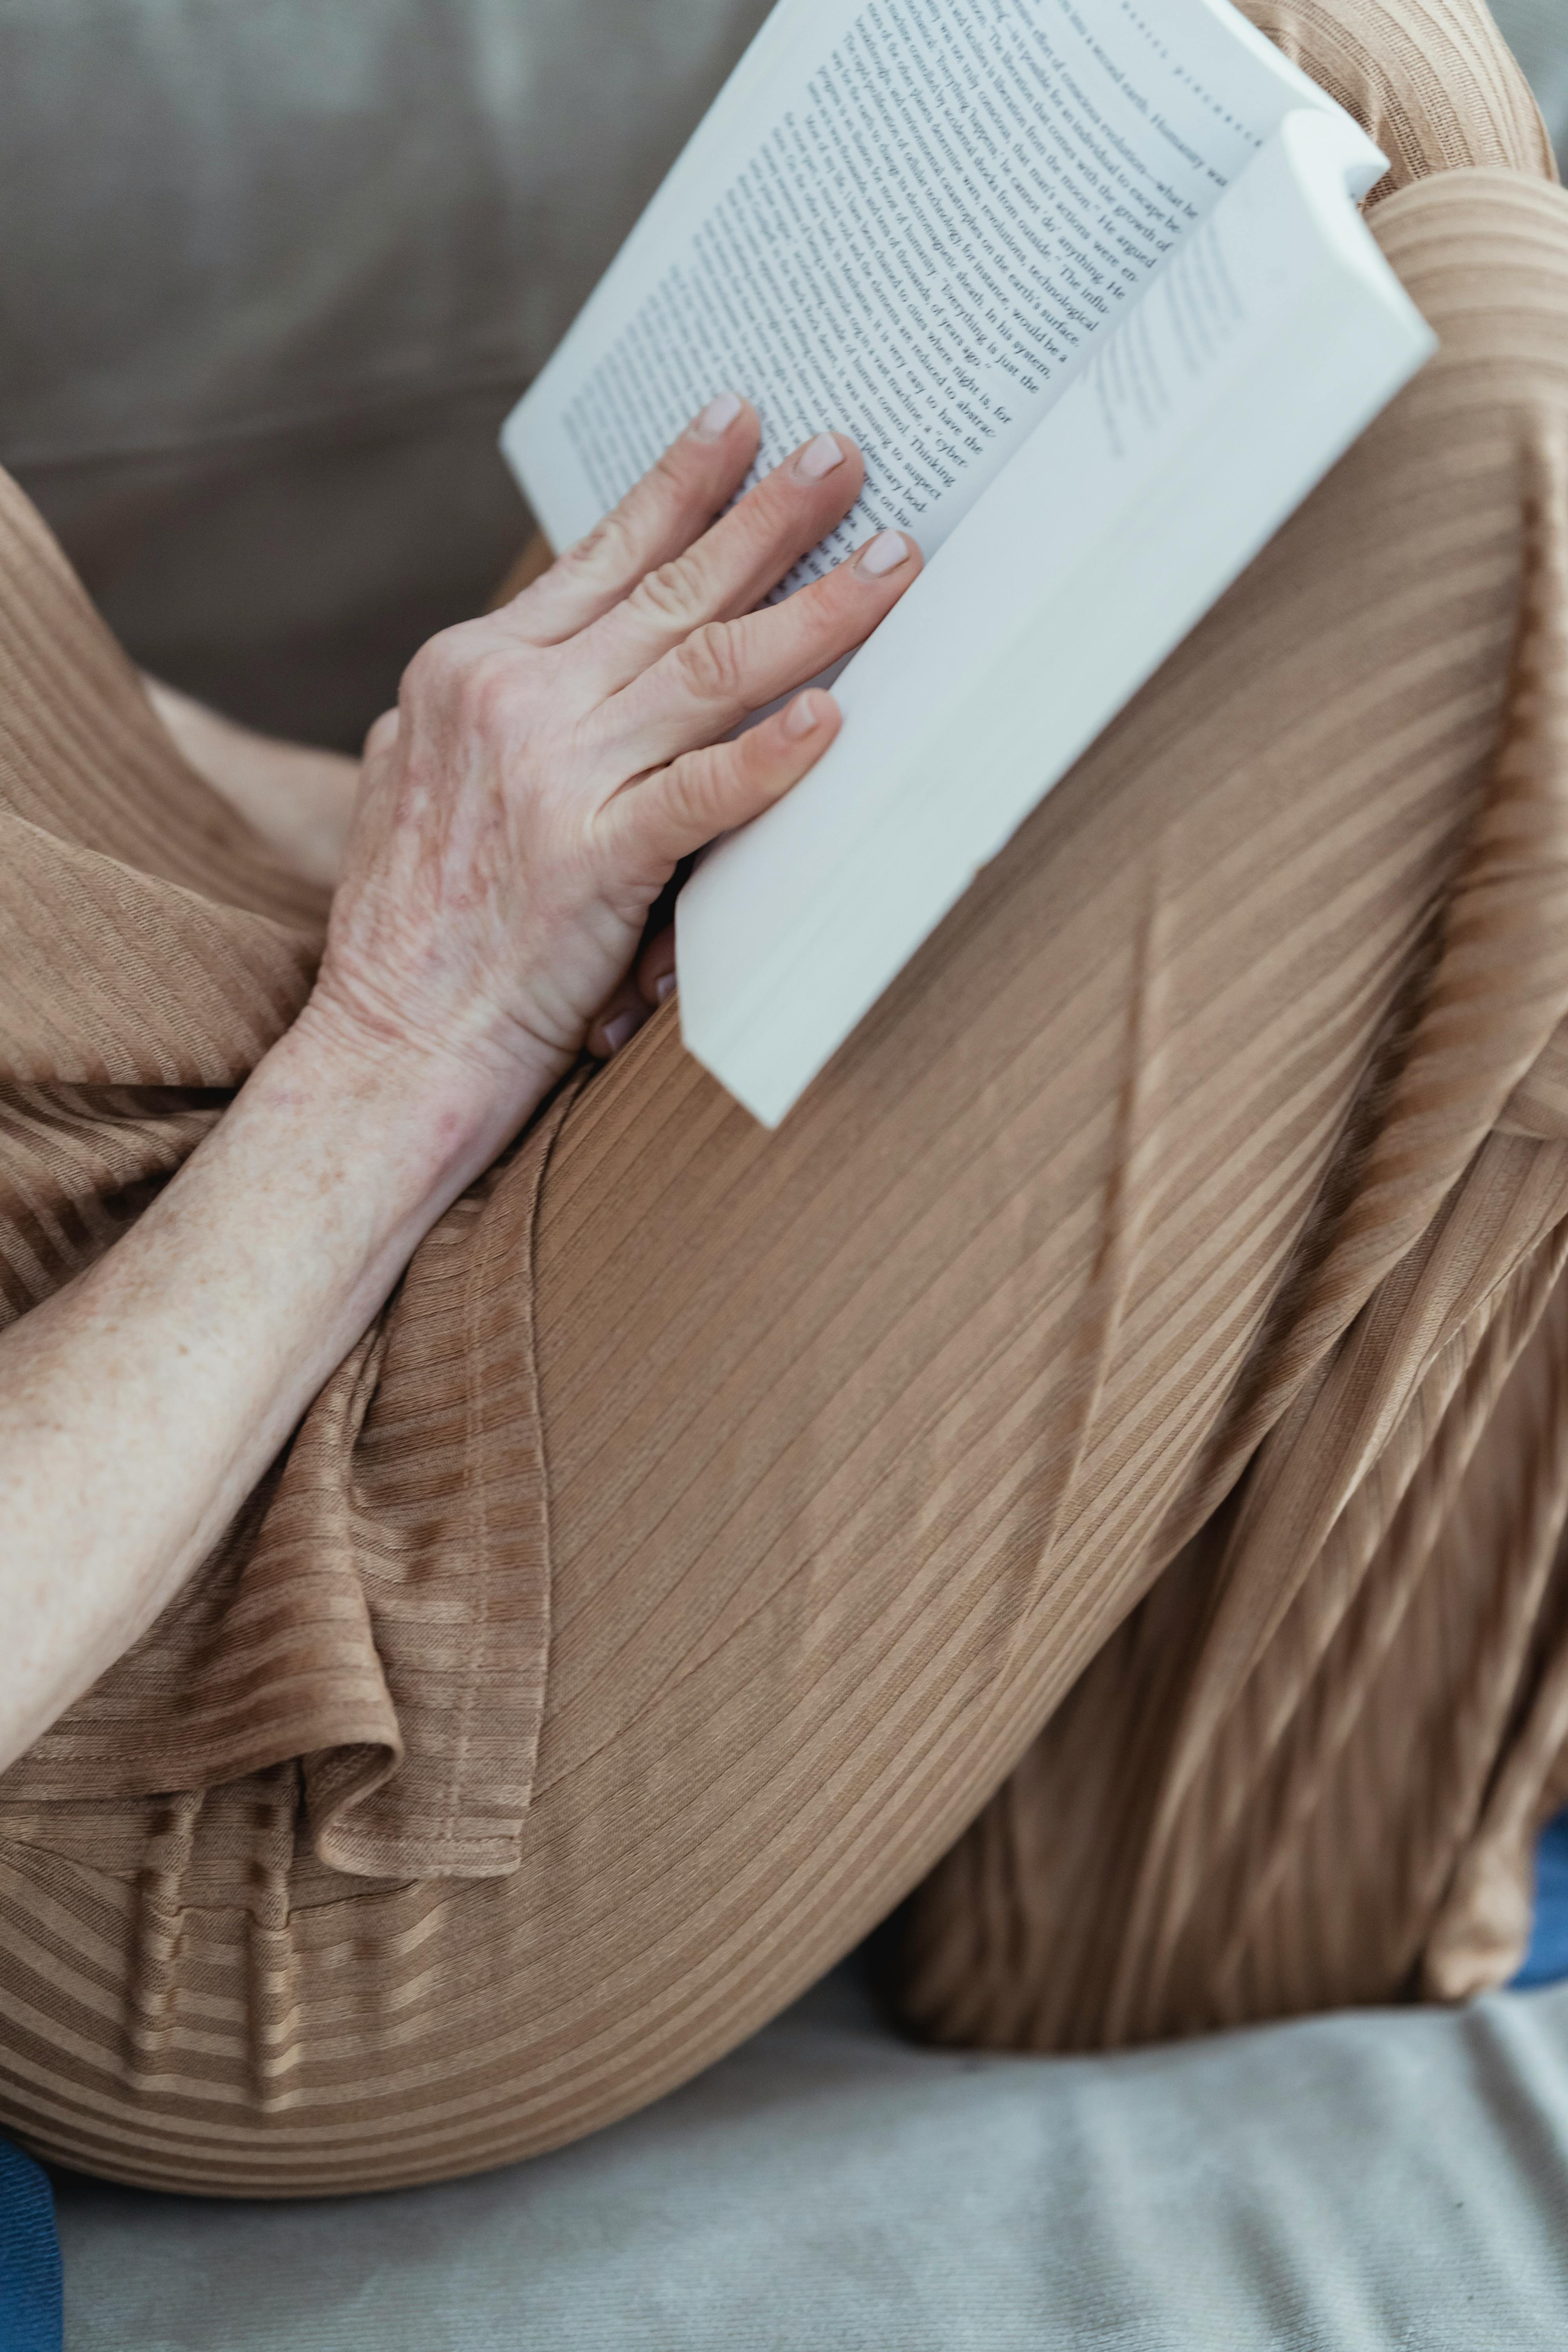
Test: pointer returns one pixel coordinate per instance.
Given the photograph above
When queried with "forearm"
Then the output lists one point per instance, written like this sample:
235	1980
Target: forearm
298	799
546	772
141	1405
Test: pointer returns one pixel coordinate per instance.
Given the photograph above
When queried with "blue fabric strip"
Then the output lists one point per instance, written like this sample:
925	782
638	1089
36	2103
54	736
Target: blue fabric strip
30	2305
1547	1960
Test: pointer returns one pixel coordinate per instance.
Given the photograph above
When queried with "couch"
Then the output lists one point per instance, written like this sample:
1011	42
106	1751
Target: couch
270	277
1381	2182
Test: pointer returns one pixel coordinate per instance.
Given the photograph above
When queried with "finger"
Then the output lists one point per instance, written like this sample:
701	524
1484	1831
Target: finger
674	812
672	505
383	735
656	968
727	669
729	569
617	1022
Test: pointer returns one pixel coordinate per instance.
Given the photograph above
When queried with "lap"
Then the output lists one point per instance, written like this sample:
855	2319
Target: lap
854	1444
863	1438
1432	81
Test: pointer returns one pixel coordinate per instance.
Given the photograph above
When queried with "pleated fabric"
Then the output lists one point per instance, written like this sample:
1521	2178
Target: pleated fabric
378	1609
1122	1410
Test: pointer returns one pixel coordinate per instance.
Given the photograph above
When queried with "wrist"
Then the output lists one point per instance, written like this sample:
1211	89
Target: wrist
429	1120
323	1178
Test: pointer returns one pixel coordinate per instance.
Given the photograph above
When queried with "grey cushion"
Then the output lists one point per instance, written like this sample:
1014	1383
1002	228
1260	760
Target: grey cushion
1537	31
1352	2184
271	276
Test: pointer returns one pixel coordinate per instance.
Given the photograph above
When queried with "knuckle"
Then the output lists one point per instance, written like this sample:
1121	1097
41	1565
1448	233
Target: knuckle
489	698
435	668
709	663
610	548
468	681
670	595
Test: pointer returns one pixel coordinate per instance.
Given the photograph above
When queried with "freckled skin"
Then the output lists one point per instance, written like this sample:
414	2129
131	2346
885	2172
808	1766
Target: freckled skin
496	857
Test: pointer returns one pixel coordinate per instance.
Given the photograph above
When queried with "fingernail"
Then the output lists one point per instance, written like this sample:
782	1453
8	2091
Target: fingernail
664	987
713	423
617	1031
883	553
818	457
800	718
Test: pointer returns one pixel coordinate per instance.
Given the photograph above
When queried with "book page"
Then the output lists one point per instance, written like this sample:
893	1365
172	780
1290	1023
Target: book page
914	237
1271	339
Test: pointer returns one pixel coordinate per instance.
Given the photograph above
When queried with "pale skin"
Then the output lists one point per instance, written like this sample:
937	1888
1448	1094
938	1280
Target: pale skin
495	859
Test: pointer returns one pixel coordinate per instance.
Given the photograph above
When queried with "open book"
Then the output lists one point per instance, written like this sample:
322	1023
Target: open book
1087	281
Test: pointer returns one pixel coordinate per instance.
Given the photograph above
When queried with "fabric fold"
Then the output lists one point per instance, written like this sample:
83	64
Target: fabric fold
378	1614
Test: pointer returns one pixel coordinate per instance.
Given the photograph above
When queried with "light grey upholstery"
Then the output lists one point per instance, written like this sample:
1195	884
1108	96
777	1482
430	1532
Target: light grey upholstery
1384	2182
1537	31
270	277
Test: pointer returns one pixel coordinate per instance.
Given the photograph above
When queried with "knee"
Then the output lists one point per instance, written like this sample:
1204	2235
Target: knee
1484	255
1433	81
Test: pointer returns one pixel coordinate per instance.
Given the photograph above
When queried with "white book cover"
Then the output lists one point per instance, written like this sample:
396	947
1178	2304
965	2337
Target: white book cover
1087	282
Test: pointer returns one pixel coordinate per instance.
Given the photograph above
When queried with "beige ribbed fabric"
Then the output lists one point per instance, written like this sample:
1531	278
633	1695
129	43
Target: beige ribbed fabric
1134	1379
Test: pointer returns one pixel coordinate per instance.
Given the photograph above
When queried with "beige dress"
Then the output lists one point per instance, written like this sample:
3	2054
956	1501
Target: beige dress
1119	1423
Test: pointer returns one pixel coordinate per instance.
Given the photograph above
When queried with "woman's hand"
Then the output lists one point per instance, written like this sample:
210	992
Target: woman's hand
545	770
548	765
649	983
